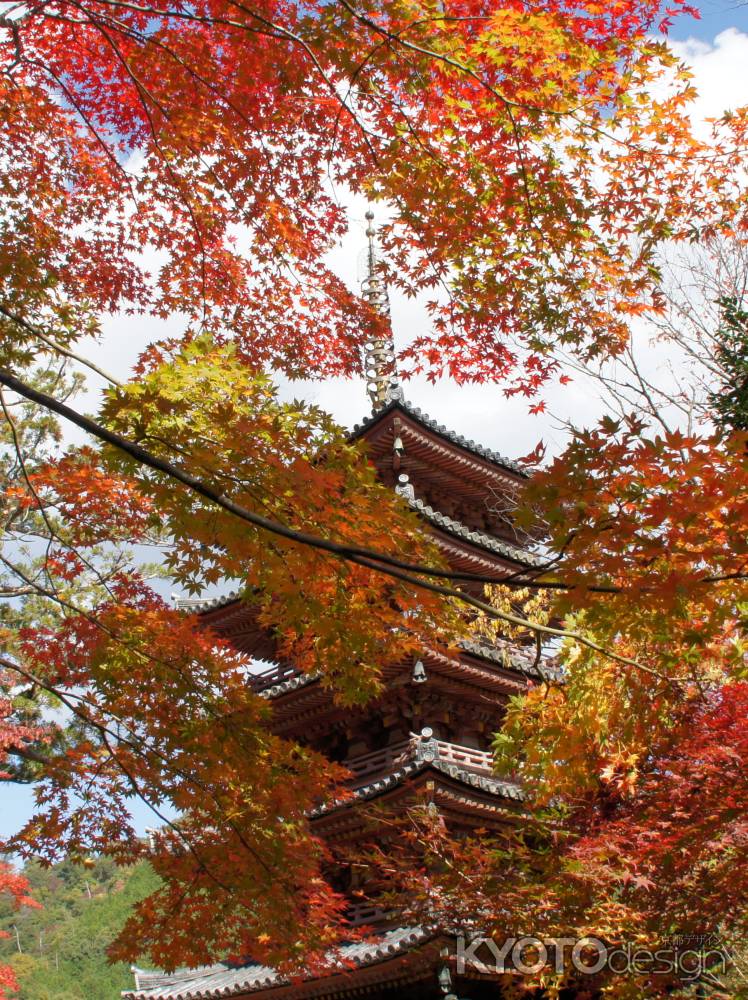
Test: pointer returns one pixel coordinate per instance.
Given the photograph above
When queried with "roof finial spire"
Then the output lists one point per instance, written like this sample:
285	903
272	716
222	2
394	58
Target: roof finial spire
381	376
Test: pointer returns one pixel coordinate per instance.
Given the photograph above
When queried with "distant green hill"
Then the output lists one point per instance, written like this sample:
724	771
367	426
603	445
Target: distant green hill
63	946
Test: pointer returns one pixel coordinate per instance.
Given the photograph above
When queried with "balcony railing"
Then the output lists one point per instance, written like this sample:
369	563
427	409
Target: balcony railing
365	913
379	762
471	760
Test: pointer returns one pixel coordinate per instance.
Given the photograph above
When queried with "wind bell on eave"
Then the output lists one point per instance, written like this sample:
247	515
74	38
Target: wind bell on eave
381	375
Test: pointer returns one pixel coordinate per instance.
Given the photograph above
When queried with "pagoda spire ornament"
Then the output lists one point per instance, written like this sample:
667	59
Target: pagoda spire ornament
381	375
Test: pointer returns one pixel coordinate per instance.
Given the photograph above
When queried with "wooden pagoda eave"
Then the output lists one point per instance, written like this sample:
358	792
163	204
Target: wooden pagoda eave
317	714
236	620
477	675
395	958
467	671
397	973
469	679
450	792
233	619
468	557
471	671
462	459
395	962
455	465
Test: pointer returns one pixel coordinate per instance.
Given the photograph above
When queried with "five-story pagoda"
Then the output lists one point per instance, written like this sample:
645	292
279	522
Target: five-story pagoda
427	735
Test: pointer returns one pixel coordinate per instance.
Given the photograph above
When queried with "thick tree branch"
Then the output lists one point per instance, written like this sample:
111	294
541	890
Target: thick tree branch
26	753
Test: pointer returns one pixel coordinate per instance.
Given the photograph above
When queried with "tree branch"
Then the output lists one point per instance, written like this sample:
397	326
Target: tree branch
377	561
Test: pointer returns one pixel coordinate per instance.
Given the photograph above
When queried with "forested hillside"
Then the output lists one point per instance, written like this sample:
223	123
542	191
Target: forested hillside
59	951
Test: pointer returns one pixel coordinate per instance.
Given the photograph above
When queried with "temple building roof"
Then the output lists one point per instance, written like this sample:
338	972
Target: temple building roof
462	791
399	403
509	658
225	980
394	779
478	538
523	663
425	752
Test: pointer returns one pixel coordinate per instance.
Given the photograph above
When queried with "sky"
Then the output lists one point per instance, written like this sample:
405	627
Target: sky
716	16
717	49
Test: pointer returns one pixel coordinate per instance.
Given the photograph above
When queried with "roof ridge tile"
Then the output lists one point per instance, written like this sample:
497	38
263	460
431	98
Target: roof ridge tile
459	439
225	980
513	552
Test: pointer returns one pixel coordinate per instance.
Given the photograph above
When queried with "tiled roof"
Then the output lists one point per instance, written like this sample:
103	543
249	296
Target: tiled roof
506	549
483	782
374	788
523	662
504	789
423	418
200	606
283	687
448	524
223	980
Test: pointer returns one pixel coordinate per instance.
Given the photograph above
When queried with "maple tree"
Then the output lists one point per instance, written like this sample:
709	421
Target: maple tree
167	714
536	162
16	886
631	763
631	758
542	173
637	872
13	732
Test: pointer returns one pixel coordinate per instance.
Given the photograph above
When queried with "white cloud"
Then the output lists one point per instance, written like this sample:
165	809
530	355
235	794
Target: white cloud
719	72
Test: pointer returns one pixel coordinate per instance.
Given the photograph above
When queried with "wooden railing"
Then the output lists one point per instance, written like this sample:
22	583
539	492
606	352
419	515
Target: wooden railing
471	760
366	766
377	761
365	913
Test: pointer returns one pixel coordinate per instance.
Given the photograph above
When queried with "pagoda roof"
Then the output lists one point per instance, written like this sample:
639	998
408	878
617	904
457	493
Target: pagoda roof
478	538
523	663
388	782
520	661
302	703
201	605
295	695
488	546
517	660
428	423
461	796
225	980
